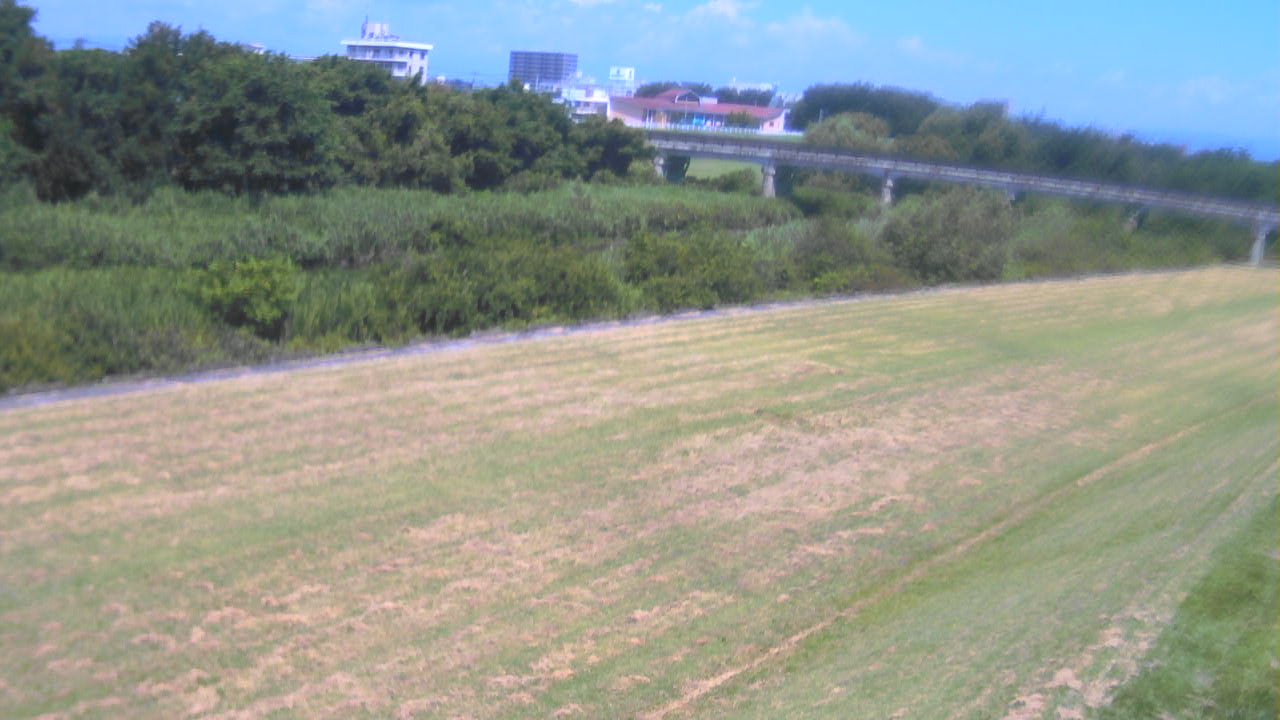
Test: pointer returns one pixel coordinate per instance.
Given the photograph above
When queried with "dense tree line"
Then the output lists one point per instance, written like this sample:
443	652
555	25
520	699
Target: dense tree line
186	109
887	119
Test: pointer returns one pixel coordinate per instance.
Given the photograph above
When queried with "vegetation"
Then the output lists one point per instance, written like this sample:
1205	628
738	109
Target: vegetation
887	119
1217	659
263	208
653	89
857	131
971	503
227	279
202	114
236	279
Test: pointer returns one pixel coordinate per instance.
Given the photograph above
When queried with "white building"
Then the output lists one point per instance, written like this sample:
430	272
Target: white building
377	45
585	100
622	81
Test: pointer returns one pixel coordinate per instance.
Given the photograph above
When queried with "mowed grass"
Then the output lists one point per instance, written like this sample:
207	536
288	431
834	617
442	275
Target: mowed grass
977	503
1212	661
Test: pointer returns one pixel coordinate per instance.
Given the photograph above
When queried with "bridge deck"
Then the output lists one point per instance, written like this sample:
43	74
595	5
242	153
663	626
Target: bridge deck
1262	218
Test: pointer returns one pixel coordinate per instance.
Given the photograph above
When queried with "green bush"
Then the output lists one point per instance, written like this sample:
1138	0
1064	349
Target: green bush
960	235
745	181
1056	238
457	290
700	269
65	326
817	201
862	278
833	245
773	250
253	293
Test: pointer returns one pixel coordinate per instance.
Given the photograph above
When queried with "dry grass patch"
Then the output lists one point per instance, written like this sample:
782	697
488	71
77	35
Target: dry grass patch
657	517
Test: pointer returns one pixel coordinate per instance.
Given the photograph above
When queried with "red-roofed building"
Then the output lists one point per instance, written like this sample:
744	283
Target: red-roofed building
682	108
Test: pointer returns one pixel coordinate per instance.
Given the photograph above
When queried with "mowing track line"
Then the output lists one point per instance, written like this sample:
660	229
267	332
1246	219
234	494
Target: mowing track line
705	687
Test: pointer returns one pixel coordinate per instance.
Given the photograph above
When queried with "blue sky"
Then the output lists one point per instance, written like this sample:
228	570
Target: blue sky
1197	74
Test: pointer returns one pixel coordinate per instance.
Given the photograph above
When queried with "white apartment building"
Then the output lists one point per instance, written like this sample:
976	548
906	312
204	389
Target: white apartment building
377	45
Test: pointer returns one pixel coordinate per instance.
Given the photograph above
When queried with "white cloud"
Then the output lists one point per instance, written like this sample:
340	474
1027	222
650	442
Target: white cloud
912	45
652	7
590	3
732	10
807	30
916	47
1205	90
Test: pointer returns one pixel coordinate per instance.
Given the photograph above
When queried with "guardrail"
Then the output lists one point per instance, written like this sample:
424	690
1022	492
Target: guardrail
1262	218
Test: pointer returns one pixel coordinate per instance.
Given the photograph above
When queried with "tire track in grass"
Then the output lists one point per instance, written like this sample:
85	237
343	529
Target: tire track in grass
705	687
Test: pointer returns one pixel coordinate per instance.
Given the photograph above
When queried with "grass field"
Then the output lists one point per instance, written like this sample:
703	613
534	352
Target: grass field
1003	502
708	168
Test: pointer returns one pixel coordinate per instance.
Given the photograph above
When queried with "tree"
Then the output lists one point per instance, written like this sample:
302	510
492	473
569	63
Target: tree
352	88
159	64
759	98
12	155
609	146
23	54
252	124
932	147
24	58
539	130
399	143
902	110
981	133
851	131
656	88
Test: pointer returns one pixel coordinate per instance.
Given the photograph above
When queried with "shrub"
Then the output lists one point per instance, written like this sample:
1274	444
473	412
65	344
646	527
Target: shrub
825	201
254	293
456	290
959	235
745	181
701	269
862	278
65	325
830	245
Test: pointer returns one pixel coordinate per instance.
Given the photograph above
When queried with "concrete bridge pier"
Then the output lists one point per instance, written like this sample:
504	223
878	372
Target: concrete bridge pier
1260	233
886	191
767	173
660	166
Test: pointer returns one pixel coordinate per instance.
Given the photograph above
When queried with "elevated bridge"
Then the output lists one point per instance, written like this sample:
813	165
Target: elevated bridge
769	154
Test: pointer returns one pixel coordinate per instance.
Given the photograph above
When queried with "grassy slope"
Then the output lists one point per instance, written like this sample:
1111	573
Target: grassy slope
967	504
1218	657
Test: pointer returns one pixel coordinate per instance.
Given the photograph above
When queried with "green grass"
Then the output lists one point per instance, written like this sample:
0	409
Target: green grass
1218	658
972	503
708	168
352	227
